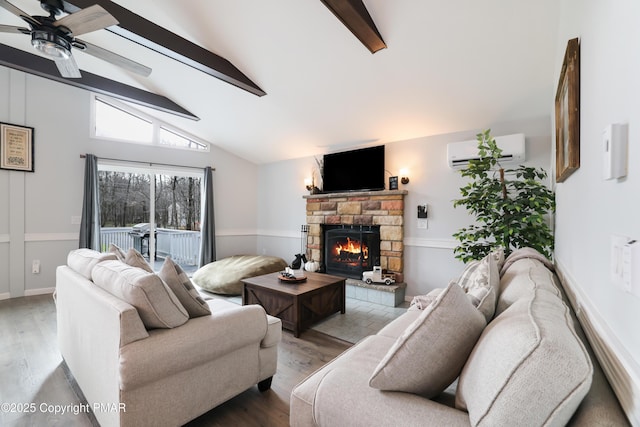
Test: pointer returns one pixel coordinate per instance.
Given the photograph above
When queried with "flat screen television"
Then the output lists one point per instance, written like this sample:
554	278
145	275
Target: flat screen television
355	170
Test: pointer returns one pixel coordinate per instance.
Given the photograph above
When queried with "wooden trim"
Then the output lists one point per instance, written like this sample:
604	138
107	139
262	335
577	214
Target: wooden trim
139	30
354	15
42	67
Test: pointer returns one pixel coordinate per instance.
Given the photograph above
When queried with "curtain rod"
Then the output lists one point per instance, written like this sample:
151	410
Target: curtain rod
84	156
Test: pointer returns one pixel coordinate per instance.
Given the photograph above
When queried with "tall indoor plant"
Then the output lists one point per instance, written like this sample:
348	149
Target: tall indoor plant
510	206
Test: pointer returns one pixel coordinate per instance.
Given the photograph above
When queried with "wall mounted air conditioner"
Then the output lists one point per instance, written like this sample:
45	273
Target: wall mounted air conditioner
459	153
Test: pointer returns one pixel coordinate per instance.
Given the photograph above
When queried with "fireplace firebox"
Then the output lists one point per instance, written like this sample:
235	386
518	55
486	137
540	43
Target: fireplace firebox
350	250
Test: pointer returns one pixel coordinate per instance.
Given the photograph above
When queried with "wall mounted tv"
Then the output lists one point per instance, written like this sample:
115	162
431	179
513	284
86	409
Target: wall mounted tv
356	170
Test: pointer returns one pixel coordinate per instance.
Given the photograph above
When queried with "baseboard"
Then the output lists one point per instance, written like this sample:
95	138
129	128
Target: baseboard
619	366
40	291
5	295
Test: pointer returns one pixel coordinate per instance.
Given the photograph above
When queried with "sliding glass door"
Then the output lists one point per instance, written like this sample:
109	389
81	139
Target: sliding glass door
131	196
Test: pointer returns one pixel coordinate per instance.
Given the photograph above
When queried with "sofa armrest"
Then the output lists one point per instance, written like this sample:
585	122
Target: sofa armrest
202	339
92	326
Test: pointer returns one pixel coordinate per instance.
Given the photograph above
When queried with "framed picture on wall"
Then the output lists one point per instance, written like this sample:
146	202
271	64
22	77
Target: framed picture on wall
16	147
568	113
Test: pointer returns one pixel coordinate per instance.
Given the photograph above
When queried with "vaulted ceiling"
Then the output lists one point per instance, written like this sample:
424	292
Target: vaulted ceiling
447	67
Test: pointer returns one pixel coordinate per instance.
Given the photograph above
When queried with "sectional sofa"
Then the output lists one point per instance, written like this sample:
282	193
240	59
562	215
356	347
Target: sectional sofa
497	347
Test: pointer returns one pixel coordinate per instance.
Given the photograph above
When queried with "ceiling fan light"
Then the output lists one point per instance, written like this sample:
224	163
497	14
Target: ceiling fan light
51	45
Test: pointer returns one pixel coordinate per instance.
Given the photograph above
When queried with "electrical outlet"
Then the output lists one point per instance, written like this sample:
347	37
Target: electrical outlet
422	223
35	266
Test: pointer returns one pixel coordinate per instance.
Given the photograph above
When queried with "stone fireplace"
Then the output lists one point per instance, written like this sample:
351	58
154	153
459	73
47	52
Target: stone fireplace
380	212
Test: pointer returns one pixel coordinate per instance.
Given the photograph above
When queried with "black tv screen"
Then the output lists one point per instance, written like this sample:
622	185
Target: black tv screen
356	170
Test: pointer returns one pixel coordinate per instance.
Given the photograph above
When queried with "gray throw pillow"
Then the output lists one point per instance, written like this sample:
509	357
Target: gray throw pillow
157	305
175	277
135	259
431	352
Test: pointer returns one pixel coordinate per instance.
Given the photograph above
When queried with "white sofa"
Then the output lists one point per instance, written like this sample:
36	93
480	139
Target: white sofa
132	375
530	365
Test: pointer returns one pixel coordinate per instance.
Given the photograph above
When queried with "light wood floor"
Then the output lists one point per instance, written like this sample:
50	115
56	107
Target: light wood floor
31	371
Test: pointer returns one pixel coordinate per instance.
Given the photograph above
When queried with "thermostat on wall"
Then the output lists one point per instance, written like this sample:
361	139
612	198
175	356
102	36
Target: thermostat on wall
614	146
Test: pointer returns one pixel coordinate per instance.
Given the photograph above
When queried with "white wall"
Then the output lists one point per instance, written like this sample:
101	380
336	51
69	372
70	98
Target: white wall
429	261
590	209
36	208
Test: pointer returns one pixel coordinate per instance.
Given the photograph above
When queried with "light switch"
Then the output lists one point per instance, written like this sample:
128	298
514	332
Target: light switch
625	264
617	260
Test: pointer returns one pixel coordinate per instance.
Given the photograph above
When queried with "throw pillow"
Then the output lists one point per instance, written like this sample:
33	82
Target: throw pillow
117	251
135	259
157	305
175	277
498	255
467	273
431	352
420	302
481	286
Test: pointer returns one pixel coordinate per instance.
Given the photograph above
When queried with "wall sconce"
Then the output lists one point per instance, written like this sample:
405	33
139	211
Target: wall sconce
404	173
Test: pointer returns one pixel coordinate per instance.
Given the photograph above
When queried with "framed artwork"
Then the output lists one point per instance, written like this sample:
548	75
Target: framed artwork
393	183
568	113
16	147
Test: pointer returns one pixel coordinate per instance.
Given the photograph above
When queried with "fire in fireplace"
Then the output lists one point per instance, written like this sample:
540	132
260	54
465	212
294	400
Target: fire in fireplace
350	250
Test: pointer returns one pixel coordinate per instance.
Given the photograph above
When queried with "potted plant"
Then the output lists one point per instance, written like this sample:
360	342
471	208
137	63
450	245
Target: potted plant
510	206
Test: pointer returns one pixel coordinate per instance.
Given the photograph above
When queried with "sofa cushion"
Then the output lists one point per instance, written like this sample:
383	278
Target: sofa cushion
528	364
429	355
521	279
157	305
175	277
83	260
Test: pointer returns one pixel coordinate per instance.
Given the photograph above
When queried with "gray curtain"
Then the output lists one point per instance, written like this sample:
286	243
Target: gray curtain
208	227
90	222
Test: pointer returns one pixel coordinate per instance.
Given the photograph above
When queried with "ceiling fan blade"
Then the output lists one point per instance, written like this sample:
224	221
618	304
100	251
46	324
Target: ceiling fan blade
114	58
12	29
18	12
68	68
87	20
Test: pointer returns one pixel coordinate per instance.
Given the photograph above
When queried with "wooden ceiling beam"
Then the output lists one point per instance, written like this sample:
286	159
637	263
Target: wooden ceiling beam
354	15
139	30
39	66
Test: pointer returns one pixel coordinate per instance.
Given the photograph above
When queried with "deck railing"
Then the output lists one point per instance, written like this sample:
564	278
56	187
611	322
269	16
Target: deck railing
182	246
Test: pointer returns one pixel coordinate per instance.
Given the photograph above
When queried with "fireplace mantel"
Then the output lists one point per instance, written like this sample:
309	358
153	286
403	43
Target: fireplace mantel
356	194
384	208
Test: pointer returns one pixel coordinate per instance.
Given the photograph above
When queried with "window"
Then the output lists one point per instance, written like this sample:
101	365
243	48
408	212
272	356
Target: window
114	120
129	126
130	196
172	139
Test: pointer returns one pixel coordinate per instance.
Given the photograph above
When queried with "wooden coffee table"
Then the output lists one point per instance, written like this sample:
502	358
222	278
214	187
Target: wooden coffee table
298	305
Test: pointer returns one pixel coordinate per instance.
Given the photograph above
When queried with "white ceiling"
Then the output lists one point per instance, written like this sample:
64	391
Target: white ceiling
449	66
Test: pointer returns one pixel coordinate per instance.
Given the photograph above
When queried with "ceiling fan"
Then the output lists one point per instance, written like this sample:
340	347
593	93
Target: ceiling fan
55	38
